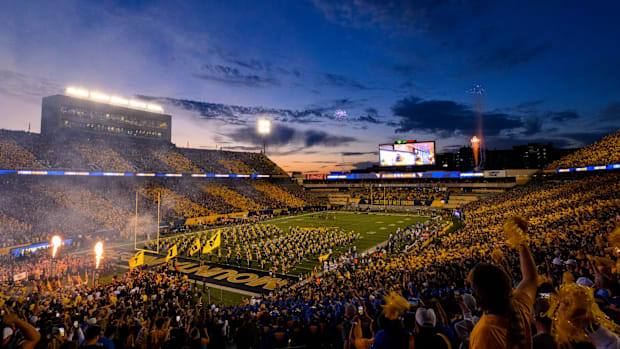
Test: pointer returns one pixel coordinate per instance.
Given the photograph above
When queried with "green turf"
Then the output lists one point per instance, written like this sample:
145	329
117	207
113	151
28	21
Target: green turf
221	297
374	229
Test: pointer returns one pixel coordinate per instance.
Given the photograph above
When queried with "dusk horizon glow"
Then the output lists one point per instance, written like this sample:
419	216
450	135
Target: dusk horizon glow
335	78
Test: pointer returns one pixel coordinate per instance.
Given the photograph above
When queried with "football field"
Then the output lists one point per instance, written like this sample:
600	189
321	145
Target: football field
373	228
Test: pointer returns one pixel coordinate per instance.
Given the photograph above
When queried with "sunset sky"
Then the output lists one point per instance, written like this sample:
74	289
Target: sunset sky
337	78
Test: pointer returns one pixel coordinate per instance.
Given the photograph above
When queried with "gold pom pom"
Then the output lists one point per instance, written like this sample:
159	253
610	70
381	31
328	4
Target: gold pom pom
394	306
497	255
572	310
614	238
515	231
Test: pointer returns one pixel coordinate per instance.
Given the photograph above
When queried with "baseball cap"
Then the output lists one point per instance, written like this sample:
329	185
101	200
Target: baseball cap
425	317
6	333
584	281
557	261
470	301
570	262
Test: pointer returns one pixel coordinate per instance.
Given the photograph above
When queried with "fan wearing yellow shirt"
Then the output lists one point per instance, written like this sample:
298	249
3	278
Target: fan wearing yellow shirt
506	320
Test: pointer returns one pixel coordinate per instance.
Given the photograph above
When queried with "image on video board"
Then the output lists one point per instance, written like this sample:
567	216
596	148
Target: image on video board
409	154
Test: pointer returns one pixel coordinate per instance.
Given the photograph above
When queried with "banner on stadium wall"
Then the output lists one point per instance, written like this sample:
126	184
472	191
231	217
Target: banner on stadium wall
20	276
495	173
7	250
251	280
316	176
214	217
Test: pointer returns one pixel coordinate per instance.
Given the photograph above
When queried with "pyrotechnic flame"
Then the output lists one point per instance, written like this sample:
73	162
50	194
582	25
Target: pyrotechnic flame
56	241
98	252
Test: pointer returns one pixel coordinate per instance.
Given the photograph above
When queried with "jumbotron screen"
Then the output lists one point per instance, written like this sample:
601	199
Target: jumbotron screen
407	153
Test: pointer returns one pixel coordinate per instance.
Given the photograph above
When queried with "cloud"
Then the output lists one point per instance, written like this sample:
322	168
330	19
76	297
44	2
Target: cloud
314	137
264	66
284	135
338	80
239	115
509	55
448	118
532	125
371	116
391	15
233	76
357	153
584	138
562	116
528	107
611	112
26	87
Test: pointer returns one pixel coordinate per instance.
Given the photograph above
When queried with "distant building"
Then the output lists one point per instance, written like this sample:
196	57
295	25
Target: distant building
65	115
465	159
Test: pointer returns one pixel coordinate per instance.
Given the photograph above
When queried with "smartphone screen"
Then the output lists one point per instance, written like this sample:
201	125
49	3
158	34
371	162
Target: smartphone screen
360	309
178	318
62	331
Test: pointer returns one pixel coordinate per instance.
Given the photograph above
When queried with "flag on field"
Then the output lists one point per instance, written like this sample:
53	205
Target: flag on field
212	243
195	247
324	257
136	260
172	252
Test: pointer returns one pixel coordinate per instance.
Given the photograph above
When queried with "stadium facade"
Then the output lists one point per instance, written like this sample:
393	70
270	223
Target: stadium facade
62	114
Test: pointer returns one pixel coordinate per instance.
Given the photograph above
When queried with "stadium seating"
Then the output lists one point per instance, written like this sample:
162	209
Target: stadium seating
418	288
603	152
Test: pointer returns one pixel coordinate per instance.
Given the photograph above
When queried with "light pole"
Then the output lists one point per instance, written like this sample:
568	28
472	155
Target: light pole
264	128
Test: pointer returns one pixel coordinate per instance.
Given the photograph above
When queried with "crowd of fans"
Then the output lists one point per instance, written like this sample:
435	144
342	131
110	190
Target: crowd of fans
40	266
45	206
83	201
402	193
101	157
23	150
232	197
14	157
603	152
175	161
236	166
448	290
279	194
169	199
13	231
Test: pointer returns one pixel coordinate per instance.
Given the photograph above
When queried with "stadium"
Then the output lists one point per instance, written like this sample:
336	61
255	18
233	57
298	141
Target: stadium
324	174
231	234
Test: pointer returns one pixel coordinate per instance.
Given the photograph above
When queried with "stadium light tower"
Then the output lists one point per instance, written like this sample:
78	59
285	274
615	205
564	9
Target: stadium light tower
264	128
